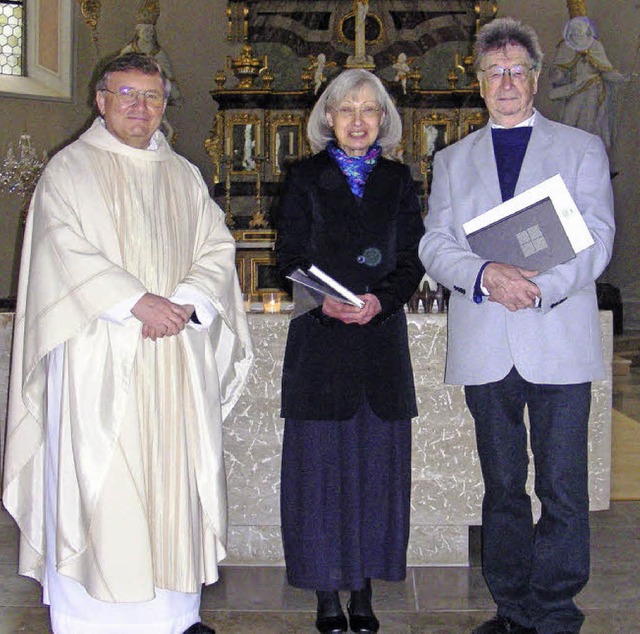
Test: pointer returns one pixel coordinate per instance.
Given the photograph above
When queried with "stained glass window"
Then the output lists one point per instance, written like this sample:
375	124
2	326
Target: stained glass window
11	37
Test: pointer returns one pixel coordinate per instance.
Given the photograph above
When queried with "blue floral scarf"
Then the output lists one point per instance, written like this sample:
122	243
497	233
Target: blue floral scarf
355	168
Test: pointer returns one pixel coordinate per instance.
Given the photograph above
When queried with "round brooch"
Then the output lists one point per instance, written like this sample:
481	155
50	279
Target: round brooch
371	256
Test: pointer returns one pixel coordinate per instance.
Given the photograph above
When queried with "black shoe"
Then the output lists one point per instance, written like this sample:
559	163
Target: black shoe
502	625
332	624
361	616
330	618
363	623
200	628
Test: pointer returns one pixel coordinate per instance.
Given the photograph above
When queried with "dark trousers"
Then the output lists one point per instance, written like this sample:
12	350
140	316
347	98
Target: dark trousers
534	572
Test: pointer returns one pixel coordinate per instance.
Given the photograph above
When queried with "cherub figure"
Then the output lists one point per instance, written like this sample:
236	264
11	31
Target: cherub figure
318	66
403	69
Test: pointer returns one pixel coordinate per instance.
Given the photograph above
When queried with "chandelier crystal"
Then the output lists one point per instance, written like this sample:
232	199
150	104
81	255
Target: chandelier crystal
20	170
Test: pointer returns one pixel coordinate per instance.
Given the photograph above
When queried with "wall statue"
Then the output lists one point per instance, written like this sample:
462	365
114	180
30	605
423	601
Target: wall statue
145	40
585	80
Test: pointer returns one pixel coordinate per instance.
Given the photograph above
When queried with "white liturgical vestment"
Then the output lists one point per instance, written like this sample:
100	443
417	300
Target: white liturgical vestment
140	490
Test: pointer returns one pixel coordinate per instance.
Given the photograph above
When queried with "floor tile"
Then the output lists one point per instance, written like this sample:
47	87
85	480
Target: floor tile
8	539
451	589
16	590
612	622
620	514
238	622
255	588
437	600
24	620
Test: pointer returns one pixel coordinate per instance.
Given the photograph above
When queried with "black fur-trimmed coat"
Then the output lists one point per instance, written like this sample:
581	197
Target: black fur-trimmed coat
371	246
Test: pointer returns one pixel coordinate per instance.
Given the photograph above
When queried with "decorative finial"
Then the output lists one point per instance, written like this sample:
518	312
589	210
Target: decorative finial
576	8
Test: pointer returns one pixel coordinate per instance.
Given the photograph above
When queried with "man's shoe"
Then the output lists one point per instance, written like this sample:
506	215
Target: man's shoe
200	628
502	625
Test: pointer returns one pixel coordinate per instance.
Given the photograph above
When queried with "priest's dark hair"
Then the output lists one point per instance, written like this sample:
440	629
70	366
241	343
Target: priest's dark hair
132	61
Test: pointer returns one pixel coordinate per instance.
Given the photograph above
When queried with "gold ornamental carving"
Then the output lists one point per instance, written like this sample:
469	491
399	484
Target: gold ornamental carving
214	146
90	10
247	68
237	22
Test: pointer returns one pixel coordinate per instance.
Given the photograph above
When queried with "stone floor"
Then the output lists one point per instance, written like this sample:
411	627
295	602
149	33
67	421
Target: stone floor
257	600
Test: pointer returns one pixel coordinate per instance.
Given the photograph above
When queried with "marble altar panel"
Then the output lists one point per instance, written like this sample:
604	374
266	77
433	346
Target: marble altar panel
447	485
446	480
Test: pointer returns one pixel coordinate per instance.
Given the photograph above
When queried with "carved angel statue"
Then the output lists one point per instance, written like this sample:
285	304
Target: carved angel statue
318	66
403	69
584	78
145	40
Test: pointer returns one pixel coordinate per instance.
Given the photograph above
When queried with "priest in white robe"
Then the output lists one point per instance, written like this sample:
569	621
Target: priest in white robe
130	347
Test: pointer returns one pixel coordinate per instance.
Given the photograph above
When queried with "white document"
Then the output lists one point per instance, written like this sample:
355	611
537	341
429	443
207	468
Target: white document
565	207
319	281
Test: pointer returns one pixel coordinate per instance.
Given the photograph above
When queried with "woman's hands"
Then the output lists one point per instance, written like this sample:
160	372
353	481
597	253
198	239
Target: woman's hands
349	314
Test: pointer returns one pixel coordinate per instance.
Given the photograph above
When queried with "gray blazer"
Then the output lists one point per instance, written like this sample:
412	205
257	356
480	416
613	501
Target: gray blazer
560	342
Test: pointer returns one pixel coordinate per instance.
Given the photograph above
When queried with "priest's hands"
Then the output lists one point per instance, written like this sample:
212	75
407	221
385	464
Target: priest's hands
510	286
349	314
161	317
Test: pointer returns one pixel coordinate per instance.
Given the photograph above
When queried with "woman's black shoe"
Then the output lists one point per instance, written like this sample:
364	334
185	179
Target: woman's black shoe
361	616
332	624
363	623
330	618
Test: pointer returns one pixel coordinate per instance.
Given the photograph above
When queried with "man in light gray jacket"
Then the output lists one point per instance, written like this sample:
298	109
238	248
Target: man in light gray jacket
520	337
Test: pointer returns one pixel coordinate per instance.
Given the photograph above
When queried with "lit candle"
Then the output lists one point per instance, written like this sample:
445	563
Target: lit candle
271	302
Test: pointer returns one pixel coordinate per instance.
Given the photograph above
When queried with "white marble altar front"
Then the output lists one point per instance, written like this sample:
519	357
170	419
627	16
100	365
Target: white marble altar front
447	485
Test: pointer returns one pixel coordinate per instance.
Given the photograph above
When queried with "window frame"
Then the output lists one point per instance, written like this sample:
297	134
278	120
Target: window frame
40	82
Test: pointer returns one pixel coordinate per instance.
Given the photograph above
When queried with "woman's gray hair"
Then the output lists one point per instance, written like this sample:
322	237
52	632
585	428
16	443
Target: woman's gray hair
346	84
496	34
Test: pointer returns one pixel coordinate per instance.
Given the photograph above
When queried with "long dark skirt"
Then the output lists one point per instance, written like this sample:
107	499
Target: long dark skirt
345	496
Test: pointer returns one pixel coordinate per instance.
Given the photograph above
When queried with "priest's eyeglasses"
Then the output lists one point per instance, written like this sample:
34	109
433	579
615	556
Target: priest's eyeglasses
127	96
366	112
518	73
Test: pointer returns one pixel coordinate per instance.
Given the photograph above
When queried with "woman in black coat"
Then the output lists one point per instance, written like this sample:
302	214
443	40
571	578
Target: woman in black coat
347	387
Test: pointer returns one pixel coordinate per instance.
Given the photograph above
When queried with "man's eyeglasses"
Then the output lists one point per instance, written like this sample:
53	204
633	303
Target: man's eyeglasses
494	74
366	112
129	96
